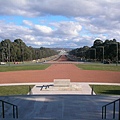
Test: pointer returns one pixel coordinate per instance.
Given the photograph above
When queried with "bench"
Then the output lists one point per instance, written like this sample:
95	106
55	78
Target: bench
61	82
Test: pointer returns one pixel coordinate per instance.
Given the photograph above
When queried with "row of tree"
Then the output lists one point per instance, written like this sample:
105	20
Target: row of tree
109	50
19	51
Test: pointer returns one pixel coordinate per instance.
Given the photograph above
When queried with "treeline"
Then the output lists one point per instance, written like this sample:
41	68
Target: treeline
109	50
18	51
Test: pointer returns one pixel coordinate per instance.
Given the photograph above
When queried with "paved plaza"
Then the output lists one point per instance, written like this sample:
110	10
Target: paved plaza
60	107
60	103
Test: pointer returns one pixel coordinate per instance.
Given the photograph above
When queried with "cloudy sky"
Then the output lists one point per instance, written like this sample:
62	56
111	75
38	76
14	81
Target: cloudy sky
59	23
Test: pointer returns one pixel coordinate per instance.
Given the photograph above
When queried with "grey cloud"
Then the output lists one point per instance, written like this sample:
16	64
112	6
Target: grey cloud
38	35
67	29
68	8
100	25
100	18
62	36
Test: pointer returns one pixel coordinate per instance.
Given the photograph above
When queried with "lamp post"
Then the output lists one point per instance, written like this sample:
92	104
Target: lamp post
94	52
9	52
2	54
116	52
22	52
8	46
102	52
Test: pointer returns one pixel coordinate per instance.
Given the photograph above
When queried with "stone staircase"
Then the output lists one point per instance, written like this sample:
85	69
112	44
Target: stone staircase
59	107
52	118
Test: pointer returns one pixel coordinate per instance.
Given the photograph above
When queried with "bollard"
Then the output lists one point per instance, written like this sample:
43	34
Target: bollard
92	91
29	90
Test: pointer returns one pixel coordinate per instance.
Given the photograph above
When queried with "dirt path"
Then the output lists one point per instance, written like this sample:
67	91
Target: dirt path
56	71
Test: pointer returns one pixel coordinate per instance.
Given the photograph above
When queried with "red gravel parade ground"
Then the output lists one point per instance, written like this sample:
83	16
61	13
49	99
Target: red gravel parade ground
60	71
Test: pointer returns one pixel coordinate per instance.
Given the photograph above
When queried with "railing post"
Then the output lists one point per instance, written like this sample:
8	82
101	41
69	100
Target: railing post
119	110
3	109
92	91
102	112
30	90
114	110
16	112
13	111
105	113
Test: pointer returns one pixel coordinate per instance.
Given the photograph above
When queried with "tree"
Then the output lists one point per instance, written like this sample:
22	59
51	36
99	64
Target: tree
108	50
19	51
97	42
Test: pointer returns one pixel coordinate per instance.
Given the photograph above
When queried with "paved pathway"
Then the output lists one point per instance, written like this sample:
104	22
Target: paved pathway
60	71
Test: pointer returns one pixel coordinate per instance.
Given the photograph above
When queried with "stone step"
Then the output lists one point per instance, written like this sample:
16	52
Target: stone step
54	119
60	107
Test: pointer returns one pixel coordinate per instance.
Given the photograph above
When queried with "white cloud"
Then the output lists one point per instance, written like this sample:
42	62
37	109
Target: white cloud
86	20
43	29
71	8
28	23
41	35
68	28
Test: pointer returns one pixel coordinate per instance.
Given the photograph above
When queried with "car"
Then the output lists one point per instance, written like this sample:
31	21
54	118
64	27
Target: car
2	63
106	62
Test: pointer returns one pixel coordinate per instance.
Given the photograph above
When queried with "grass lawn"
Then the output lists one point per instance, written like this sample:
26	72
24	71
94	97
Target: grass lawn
98	67
23	67
106	89
14	90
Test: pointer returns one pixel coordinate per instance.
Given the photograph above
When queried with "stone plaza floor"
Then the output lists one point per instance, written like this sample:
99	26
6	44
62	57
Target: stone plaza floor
65	104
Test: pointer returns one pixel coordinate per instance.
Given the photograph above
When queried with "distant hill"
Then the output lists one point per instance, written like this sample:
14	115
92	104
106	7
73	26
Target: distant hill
66	49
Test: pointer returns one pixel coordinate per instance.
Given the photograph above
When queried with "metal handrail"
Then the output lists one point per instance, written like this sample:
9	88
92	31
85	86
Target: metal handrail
114	106
15	109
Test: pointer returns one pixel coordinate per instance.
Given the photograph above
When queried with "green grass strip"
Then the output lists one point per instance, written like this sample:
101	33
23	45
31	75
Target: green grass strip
23	67
98	67
106	89
14	90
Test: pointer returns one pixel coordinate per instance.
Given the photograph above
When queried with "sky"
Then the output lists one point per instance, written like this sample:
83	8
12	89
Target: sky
59	23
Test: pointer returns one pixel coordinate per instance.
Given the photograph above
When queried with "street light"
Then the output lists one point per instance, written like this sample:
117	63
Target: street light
116	52
94	52
8	46
102	51
22	52
2	54
8	53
